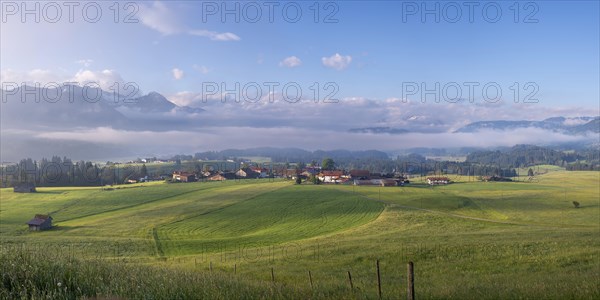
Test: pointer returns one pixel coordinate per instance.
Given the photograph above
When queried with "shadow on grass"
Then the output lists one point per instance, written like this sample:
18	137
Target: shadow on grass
48	192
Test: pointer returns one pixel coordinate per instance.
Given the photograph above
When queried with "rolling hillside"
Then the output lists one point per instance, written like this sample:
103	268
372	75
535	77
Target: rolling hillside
468	239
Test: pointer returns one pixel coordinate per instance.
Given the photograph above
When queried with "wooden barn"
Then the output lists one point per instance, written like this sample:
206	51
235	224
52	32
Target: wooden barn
184	176
24	188
40	222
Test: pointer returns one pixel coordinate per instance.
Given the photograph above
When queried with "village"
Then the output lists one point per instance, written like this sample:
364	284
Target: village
308	174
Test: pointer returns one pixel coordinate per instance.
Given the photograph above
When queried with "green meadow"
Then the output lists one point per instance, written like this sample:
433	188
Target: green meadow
259	239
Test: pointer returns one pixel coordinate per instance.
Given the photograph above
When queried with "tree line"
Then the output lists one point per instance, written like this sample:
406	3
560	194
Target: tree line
63	171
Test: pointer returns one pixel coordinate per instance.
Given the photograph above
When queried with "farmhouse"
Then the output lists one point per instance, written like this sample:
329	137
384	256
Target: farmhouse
223	176
184	176
40	222
309	172
247	173
331	176
388	182
291	173
495	178
24	188
262	172
438	180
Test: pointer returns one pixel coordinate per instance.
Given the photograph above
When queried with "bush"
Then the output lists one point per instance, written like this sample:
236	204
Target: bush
576	204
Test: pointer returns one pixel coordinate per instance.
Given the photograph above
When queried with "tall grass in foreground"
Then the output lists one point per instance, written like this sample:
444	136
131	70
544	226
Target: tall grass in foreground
27	275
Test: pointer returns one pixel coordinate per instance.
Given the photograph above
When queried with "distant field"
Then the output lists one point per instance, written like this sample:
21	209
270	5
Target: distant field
448	158
539	169
470	239
257	159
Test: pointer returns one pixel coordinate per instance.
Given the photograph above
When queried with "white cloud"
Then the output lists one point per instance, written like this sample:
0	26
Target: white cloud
201	69
222	137
35	76
177	73
337	61
85	62
185	98
161	18
215	36
290	62
106	79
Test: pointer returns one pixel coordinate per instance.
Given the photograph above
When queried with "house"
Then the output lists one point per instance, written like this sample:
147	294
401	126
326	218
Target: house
247	173
291	173
309	172
438	180
330	176
262	172
364	182
388	182
359	174
184	176
217	177
40	222
26	187
223	176
402	179
495	178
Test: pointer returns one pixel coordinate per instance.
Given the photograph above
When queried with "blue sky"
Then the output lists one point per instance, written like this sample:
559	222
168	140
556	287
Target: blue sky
559	53
369	54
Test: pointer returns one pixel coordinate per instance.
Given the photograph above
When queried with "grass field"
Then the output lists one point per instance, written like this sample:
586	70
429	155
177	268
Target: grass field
468	240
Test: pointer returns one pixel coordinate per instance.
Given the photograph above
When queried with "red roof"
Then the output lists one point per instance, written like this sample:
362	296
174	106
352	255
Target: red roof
332	173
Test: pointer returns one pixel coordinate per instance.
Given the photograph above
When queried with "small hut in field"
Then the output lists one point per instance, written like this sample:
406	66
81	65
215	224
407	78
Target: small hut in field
26	187
40	222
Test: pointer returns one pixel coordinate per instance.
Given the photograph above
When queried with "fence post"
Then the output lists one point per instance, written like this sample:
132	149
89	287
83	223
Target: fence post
210	266
411	281
310	279
272	275
350	280
378	280
234	268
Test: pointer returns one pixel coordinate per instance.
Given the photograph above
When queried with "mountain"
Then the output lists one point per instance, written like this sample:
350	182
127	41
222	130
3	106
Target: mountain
379	130
72	106
571	125
154	102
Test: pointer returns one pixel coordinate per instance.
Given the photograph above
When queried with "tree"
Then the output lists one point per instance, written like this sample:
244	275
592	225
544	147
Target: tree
530	172
576	204
314	179
328	164
143	171
298	180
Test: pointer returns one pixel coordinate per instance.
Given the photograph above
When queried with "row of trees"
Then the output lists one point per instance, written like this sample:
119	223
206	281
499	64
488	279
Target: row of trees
59	171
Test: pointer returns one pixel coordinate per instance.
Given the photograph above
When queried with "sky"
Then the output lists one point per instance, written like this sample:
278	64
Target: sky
523	60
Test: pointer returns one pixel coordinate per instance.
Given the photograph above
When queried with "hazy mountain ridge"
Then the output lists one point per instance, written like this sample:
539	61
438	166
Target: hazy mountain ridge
572	125
74	106
379	130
